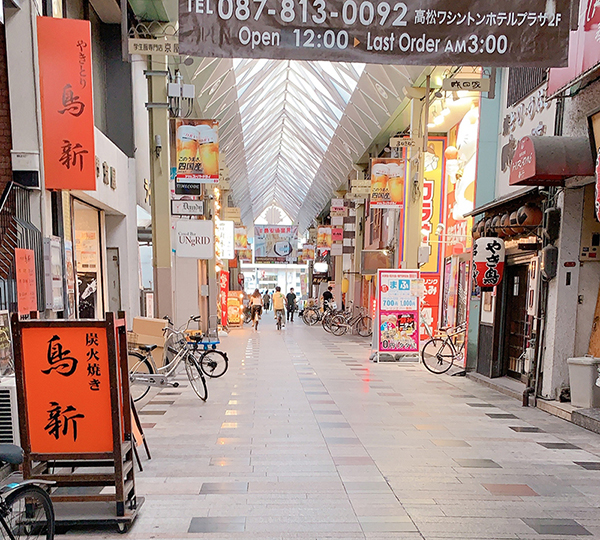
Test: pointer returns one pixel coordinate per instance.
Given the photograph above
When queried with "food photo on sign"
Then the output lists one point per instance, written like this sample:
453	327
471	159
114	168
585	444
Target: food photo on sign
387	183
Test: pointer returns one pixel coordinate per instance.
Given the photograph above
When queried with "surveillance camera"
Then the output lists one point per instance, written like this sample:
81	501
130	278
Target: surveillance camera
439	230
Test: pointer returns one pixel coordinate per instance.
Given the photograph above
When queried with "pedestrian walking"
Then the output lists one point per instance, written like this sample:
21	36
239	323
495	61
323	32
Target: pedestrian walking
266	301
256	304
291	304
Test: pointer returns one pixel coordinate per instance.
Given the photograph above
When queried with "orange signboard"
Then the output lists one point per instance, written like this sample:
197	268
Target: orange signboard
67	387
65	51
26	283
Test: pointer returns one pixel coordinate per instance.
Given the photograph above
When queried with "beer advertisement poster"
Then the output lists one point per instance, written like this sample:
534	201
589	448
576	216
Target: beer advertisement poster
197	150
388	180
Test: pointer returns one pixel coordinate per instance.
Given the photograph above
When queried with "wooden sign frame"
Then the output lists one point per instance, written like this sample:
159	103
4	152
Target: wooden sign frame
115	468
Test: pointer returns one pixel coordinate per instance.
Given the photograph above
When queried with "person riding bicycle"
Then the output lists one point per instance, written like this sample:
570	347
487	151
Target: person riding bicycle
291	304
279	304
256	304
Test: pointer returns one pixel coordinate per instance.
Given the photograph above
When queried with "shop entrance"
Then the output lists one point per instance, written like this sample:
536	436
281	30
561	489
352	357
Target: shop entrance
515	320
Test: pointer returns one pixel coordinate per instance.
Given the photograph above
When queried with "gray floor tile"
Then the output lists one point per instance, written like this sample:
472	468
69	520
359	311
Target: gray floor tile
217	525
563	527
559	446
478	463
223	487
589	465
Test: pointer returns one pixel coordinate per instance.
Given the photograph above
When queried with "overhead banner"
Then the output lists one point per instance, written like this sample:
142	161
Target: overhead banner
275	244
388	178
324	237
434	32
397	311
65	52
197	155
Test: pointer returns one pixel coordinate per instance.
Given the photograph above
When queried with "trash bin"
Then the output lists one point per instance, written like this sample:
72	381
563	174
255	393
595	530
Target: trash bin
583	373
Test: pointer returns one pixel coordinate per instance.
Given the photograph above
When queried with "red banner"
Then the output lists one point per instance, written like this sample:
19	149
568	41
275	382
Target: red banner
224	291
65	52
26	282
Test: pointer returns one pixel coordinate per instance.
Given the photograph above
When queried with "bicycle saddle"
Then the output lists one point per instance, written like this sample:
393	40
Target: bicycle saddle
147	348
10	453
196	337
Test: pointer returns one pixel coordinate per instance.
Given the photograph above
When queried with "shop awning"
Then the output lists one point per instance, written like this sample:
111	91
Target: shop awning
549	161
501	201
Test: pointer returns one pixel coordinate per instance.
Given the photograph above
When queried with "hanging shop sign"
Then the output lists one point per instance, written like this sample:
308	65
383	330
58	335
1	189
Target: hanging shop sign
275	244
187	208
223	294
232	213
167	45
242	247
388	178
324	238
197	155
308	252
549	161
397	311
26	281
381	32
469	85
226	232
584	48
195	239
65	66
488	262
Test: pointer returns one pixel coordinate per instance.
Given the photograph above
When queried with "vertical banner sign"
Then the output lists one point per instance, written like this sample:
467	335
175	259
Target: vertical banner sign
438	32
224	294
66	378
398	311
197	151
308	252
388	178
26	282
488	262
242	247
65	52
324	237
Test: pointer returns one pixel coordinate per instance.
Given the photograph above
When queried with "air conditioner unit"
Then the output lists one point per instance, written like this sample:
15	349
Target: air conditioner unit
9	412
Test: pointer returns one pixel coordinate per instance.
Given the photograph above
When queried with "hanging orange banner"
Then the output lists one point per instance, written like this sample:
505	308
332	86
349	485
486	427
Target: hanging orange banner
67	385
26	282
65	52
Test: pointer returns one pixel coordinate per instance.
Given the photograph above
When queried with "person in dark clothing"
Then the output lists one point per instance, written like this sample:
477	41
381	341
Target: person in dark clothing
291	304
327	297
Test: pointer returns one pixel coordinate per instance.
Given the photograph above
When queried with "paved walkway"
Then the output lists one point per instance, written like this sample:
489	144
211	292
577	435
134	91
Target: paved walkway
304	438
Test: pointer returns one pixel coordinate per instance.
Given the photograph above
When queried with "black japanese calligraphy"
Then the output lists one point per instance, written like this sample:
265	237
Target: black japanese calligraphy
71	102
61	421
72	154
59	359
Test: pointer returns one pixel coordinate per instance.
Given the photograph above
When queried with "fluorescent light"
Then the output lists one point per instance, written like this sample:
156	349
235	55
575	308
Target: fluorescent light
438	120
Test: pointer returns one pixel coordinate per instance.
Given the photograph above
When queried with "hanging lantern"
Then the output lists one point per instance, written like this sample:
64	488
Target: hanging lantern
514	223
529	215
505	223
475	231
496	228
488	262
345	285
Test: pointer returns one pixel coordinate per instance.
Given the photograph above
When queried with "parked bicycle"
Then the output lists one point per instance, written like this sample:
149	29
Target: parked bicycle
26	509
214	363
361	322
313	315
179	347
440	352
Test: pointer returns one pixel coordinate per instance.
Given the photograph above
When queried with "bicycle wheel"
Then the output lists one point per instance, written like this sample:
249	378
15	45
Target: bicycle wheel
437	355
310	317
196	377
214	363
138	365
338	325
364	326
30	514
326	321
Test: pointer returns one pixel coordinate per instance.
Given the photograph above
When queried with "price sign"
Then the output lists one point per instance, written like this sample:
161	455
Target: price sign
437	32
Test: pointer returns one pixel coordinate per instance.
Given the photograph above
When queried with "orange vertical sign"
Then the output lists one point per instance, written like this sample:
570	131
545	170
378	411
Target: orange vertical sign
26	283
67	386
65	50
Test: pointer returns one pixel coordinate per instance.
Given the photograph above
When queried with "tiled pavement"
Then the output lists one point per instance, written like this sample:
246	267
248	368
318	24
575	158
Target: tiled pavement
304	438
